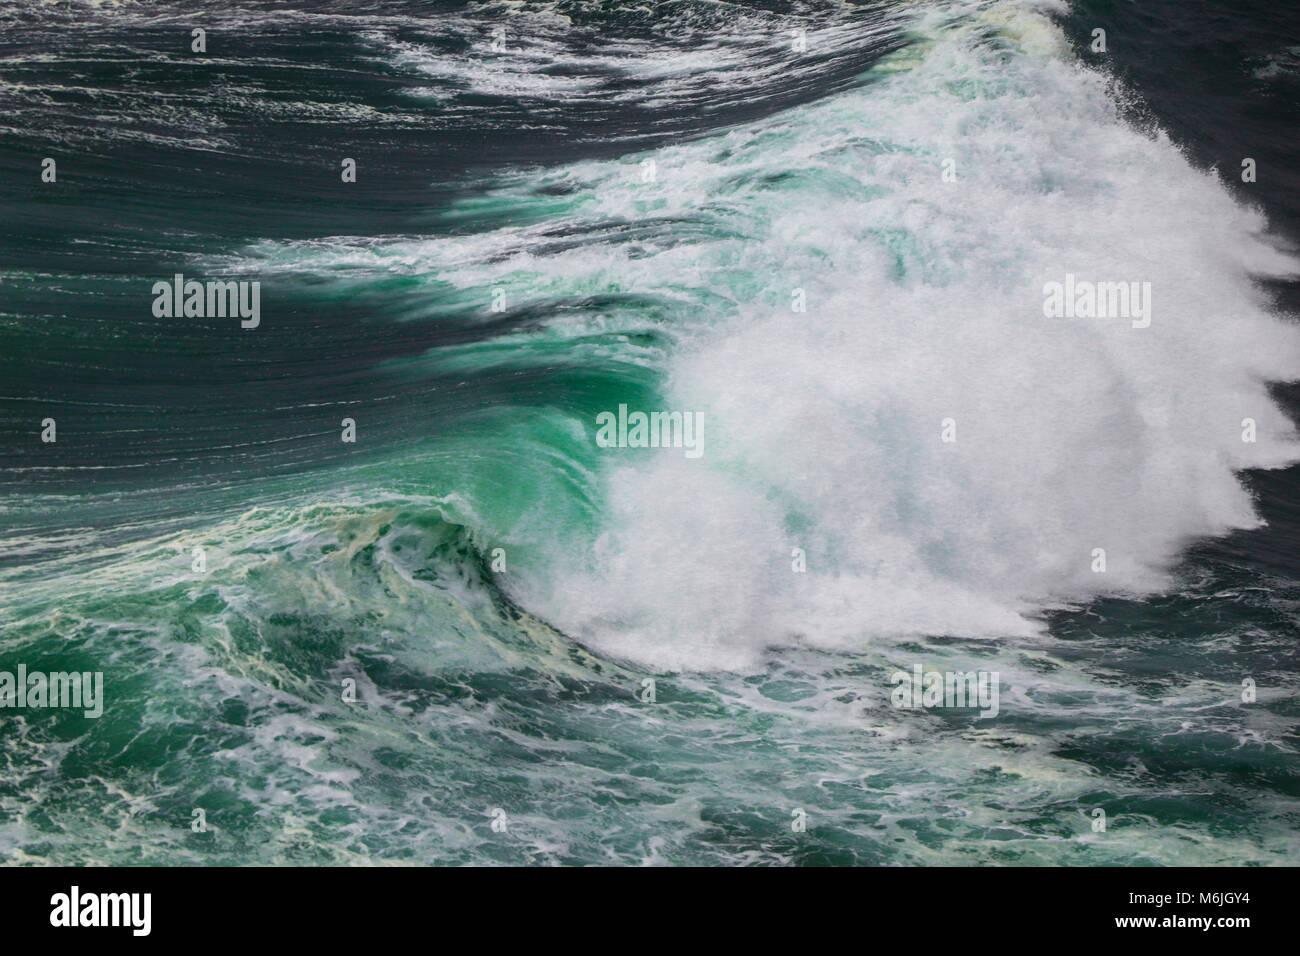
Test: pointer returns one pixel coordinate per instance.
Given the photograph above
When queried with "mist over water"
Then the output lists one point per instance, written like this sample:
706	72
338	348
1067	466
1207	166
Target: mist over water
649	193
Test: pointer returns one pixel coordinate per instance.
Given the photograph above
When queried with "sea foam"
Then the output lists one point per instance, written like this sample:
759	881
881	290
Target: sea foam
925	304
1089	452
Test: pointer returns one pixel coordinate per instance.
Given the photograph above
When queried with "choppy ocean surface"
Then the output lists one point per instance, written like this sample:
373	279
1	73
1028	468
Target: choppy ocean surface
639	189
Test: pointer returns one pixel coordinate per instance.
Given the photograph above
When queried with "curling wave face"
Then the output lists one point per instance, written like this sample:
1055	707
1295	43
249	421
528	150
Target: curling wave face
924	303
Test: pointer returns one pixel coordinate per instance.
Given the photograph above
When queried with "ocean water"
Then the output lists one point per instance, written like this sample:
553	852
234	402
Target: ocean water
570	654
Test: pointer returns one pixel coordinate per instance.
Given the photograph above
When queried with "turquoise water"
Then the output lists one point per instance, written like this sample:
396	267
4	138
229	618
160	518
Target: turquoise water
497	587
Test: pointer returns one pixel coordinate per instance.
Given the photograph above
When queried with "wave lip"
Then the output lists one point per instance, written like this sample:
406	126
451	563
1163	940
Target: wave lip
925	300
921	217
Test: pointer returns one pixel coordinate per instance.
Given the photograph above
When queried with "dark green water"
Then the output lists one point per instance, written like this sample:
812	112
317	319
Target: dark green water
496	586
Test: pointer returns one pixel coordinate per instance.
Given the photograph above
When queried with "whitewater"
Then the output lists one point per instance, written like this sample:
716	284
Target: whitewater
925	303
